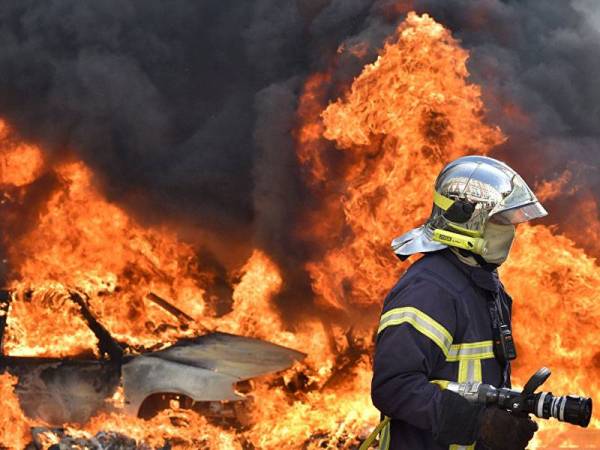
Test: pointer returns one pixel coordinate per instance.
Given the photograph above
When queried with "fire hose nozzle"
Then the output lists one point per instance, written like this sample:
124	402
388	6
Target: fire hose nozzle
567	408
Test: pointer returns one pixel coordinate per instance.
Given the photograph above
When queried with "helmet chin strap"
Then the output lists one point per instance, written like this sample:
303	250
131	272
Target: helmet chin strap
479	259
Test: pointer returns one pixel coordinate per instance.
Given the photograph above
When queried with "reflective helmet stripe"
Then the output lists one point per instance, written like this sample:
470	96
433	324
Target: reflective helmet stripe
442	201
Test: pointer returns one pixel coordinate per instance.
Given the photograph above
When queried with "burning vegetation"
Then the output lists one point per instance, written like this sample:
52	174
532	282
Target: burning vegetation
370	157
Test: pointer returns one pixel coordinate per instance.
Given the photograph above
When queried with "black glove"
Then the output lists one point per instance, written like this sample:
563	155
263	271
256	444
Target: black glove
500	430
458	420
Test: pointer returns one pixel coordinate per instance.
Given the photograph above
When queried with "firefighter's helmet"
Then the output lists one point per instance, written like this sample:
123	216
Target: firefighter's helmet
470	192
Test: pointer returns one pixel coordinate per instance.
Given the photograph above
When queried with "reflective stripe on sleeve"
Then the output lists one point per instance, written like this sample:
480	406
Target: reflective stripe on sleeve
421	322
469	356
471	350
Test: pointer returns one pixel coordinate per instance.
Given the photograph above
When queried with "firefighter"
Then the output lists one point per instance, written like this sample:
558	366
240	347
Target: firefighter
448	318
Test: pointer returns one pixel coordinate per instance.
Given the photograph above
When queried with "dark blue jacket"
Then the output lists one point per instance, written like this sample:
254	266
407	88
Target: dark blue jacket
435	327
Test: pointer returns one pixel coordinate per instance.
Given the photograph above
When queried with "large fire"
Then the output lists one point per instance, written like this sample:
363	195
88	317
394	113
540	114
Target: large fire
370	156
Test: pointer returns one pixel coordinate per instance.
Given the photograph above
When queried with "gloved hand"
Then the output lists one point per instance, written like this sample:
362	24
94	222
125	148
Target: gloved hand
500	430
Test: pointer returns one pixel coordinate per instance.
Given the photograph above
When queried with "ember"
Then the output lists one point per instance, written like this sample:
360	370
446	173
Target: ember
367	156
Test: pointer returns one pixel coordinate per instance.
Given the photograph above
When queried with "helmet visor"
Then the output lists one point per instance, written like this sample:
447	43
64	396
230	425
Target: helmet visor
519	206
519	214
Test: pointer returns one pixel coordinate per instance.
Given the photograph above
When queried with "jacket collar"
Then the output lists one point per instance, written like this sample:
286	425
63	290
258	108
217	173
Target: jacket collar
485	279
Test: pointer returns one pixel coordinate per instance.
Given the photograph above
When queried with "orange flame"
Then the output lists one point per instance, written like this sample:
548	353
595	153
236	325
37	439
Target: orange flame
85	243
20	164
14	426
401	120
556	320
549	189
405	116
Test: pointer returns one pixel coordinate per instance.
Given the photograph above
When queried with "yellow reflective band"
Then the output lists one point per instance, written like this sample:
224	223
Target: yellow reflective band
443	384
468	370
421	322
469	356
474	244
442	201
462	447
471	350
462	371
384	429
478	375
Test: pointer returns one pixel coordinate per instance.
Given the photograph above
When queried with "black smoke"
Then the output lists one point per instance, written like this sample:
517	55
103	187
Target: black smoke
185	109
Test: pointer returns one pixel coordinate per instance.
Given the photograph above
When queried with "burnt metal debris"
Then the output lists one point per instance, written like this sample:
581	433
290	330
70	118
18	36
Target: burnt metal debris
202	369
183	318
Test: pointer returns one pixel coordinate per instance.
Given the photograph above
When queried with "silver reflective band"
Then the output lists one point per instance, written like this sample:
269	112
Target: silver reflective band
563	403
540	405
470	370
554	407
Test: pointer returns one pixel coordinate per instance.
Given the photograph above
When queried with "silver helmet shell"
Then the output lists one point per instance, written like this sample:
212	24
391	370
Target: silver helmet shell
487	189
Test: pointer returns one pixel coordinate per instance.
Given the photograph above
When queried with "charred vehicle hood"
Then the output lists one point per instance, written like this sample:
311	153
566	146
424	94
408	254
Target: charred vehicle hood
205	368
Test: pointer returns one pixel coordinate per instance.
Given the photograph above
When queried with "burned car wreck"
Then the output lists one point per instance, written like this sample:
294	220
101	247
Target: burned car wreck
203	370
